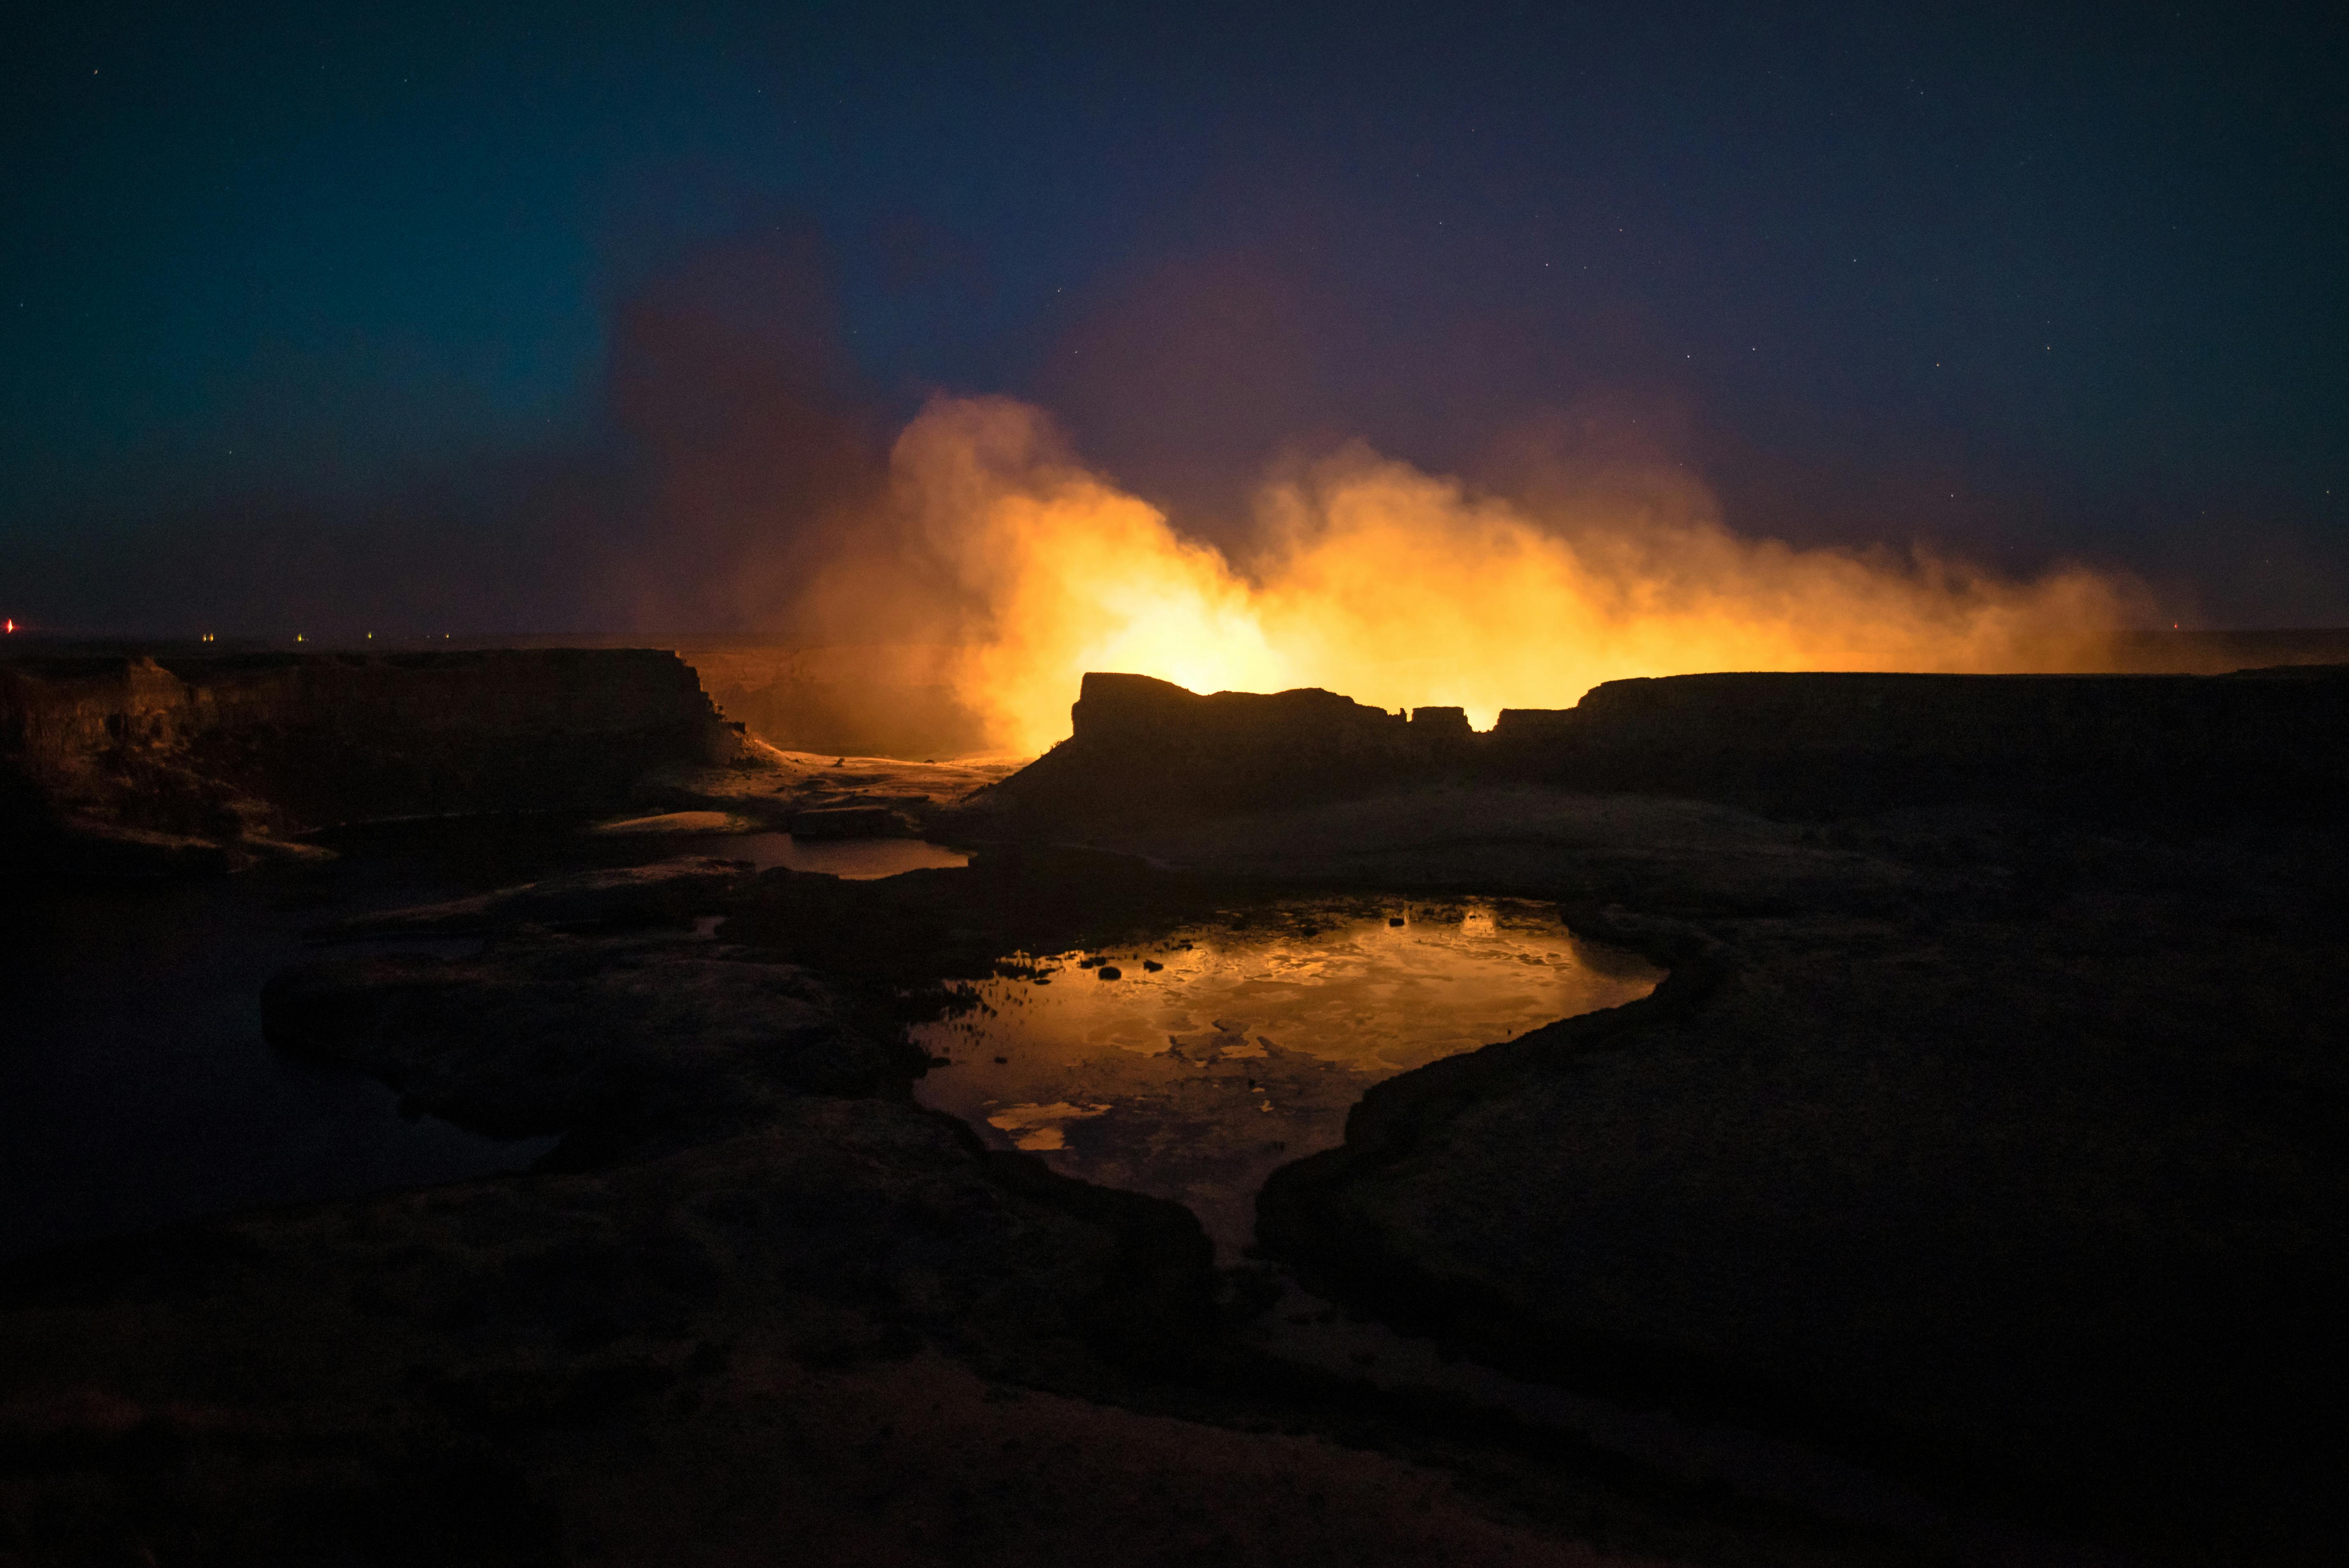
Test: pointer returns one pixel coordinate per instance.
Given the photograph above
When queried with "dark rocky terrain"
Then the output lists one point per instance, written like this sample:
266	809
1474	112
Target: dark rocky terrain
2023	1180
132	765
2263	743
1983	1141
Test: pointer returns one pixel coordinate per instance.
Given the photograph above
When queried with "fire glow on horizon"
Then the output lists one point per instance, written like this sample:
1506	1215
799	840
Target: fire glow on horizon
1393	586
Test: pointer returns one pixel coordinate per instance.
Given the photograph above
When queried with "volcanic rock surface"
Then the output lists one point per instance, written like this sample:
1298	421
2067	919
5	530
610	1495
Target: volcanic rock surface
1988	1148
541	1033
2158	747
1999	1145
135	764
757	1303
665	892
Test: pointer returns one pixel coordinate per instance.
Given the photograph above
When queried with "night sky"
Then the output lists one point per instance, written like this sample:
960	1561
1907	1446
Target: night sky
486	319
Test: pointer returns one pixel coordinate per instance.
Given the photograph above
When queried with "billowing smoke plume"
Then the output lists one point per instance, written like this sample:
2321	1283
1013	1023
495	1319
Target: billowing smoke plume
1370	577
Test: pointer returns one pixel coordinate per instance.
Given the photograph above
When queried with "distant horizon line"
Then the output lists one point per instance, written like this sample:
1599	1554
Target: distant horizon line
361	641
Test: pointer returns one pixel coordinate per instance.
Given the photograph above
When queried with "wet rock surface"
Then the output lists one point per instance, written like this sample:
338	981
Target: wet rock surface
612	1038
774	787
1999	1153
472	1375
665	892
1998	1149
2028	1186
799	1309
752	1296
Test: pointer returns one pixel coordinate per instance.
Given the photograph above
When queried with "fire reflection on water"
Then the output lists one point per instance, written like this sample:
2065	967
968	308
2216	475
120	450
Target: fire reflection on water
851	859
1222	1051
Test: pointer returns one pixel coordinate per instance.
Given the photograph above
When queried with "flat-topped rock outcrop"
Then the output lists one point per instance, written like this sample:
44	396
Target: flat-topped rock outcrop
1803	744
1826	743
136	763
1143	745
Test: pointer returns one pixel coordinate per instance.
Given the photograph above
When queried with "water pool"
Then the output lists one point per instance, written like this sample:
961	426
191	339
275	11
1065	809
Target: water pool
852	859
1227	1048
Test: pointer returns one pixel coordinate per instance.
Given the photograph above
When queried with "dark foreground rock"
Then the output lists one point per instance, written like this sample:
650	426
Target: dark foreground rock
1999	1152
839	1341
2029	1186
475	1375
665	892
798	1320
614	1038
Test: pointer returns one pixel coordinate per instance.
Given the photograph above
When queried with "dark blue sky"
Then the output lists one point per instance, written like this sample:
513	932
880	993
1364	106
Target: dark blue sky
406	317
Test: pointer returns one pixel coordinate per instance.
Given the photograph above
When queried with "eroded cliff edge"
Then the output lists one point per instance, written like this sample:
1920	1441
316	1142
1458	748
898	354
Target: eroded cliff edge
198	763
1816	745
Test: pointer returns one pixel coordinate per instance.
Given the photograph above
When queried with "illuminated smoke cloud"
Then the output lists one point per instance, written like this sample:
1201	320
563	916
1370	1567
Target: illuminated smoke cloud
1391	585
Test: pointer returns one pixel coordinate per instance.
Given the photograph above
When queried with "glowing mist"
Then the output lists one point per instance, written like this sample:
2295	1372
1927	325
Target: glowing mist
1394	587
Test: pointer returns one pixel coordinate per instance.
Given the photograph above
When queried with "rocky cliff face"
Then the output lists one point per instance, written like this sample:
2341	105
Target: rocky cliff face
1830	743
196	759
2268	741
1151	747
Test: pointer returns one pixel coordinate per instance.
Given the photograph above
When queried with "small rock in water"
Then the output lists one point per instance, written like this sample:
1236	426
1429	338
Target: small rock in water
1106	973
1151	965
1394	920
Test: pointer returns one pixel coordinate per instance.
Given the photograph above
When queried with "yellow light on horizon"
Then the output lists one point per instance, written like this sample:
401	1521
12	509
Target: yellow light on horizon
1398	587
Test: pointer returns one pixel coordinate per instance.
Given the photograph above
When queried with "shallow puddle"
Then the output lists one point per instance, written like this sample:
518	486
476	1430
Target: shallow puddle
852	859
1222	1051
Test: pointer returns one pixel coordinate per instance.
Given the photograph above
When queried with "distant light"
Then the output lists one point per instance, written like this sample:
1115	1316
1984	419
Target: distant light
12	625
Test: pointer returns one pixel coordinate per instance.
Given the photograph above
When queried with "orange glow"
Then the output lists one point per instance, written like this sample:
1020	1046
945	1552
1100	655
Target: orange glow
1396	587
